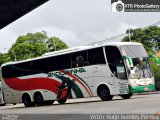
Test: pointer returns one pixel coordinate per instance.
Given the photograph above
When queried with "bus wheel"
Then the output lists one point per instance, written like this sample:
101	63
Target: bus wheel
38	99
62	101
104	93
126	96
50	102
27	100
3	104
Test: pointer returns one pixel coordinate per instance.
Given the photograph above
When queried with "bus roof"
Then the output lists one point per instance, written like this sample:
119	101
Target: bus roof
75	49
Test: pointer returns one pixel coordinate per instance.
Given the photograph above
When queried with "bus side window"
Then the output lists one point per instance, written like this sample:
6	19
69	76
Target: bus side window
79	59
56	63
115	62
96	56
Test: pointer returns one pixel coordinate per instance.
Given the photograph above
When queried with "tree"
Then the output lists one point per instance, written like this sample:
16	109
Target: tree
34	45
150	38
4	58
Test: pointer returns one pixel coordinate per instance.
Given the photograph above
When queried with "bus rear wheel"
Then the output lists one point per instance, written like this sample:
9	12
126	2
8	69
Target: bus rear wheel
62	101
104	93
127	96
38	98
27	101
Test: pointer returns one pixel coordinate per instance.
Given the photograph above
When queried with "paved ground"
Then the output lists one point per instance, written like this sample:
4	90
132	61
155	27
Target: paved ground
138	104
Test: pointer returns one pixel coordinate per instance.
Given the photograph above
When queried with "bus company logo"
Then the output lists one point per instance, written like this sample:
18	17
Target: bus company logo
66	72
118	6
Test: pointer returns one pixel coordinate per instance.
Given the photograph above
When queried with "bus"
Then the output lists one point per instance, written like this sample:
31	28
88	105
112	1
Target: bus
104	70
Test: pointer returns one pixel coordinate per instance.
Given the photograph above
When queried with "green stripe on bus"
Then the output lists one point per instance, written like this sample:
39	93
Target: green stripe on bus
137	89
84	82
75	88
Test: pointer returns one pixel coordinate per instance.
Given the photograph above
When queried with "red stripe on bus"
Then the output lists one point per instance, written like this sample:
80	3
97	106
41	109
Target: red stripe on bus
75	78
34	83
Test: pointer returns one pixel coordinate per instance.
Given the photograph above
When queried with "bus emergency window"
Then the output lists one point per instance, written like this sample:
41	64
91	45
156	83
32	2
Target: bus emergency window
96	56
79	59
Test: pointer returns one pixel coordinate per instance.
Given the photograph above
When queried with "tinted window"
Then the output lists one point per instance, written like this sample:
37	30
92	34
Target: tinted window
56	63
22	69
115	62
96	56
64	62
79	59
49	64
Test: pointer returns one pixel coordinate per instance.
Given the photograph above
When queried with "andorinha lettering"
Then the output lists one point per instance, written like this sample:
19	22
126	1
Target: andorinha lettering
72	71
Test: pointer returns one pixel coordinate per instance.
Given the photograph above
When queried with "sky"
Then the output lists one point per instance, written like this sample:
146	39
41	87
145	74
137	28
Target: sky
76	22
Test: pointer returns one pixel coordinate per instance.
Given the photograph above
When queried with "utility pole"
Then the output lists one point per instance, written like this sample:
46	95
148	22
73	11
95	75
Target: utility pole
128	29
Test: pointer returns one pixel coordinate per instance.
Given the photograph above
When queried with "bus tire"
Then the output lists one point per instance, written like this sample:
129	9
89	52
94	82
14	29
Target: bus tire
38	99
62	101
49	102
127	96
104	93
3	104
27	100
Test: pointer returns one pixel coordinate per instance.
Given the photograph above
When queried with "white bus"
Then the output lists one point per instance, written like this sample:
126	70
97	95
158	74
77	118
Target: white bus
106	70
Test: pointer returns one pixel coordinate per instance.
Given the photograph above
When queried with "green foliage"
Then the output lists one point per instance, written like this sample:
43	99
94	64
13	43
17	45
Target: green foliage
4	58
150	38
31	46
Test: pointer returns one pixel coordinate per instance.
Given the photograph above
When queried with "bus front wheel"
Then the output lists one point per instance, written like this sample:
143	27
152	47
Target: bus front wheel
104	93
127	96
62	101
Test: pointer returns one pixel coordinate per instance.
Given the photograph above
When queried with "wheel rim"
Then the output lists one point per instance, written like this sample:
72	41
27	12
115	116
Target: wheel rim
39	100
104	92
26	101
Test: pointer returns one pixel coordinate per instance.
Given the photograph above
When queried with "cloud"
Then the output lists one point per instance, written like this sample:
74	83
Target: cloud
76	22
7	39
67	36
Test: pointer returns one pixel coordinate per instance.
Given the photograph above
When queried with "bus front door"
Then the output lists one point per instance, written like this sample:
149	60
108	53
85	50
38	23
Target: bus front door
122	77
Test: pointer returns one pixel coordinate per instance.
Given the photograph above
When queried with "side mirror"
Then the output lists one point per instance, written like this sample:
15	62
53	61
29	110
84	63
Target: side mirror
156	58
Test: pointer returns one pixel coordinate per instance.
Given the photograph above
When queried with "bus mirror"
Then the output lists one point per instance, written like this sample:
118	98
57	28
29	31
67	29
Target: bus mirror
129	59
156	58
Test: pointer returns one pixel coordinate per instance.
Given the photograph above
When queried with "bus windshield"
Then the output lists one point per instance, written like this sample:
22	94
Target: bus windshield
141	67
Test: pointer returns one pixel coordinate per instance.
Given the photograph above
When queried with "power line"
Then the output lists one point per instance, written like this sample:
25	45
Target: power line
118	36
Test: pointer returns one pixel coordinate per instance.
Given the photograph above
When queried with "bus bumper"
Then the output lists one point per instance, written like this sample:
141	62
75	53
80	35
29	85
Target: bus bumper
137	89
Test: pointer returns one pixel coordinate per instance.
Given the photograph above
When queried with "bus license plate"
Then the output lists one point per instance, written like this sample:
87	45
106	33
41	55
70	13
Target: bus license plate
145	89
